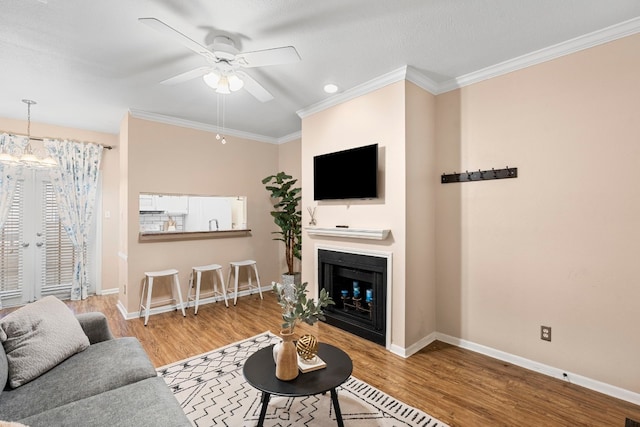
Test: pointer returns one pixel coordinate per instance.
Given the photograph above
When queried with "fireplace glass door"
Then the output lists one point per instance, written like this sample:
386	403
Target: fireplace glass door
357	284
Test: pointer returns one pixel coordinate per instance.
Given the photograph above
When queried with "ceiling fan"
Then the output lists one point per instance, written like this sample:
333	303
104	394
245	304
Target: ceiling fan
223	73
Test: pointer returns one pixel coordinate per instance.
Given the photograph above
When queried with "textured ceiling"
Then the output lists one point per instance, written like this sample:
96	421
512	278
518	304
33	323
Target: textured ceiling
88	62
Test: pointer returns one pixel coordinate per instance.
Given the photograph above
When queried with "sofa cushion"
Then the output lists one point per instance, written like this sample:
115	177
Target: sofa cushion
4	369
145	403
39	336
101	367
96	326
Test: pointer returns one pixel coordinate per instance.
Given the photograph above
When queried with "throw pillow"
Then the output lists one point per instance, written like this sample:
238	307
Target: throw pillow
39	336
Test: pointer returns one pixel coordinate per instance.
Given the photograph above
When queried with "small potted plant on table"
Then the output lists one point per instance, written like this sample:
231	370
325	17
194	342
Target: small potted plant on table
296	308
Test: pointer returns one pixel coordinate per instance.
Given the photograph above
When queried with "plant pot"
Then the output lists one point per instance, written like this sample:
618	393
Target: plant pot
291	279
286	357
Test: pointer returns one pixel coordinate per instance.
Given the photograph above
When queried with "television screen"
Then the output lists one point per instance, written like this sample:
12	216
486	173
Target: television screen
348	174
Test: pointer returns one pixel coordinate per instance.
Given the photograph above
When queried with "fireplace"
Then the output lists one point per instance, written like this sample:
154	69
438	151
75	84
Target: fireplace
358	285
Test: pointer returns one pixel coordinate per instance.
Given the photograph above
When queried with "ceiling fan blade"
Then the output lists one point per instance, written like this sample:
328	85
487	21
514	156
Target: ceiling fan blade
255	88
275	56
163	28
188	75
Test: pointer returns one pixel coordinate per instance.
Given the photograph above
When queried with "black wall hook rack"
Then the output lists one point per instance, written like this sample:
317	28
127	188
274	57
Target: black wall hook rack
479	175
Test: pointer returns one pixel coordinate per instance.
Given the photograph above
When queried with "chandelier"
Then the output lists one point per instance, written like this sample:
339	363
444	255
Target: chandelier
28	158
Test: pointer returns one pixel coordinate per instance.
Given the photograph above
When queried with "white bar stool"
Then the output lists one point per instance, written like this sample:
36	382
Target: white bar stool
235	267
148	282
217	279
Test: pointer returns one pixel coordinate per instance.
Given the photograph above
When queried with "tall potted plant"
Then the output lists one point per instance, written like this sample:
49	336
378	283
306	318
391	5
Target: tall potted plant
288	217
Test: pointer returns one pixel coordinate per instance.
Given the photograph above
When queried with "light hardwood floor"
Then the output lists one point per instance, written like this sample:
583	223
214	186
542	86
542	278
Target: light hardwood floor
457	386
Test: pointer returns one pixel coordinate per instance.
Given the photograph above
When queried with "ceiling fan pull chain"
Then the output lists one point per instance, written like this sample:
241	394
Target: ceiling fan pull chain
224	104
218	117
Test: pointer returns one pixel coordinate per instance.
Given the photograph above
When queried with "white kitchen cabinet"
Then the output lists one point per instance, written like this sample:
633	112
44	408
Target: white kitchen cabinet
172	205
147	202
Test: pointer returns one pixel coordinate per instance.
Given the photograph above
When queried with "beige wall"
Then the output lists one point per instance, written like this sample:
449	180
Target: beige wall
123	242
558	245
170	159
109	167
421	182
378	117
289	158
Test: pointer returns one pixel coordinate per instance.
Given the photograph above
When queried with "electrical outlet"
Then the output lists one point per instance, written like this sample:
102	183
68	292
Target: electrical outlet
545	333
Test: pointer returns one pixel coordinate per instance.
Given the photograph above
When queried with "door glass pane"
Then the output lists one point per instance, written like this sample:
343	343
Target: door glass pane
59	255
36	255
11	253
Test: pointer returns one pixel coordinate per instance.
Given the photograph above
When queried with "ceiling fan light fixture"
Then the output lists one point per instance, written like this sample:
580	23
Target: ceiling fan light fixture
223	83
235	82
212	79
225	59
223	86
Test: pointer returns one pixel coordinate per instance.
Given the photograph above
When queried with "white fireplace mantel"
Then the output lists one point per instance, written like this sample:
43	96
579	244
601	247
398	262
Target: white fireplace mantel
352	233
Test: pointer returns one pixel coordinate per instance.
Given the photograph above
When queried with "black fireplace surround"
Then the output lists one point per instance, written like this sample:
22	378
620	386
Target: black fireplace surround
358	285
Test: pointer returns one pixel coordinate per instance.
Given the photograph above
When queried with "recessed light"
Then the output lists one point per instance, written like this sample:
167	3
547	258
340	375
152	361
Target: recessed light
330	88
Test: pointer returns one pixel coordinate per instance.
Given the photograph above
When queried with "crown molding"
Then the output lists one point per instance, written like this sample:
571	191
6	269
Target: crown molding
568	47
154	117
403	73
290	137
422	81
355	92
409	73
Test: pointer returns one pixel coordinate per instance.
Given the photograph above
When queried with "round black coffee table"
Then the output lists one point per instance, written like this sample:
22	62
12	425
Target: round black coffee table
260	371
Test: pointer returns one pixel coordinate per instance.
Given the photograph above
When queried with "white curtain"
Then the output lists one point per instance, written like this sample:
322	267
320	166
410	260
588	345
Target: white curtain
9	174
75	184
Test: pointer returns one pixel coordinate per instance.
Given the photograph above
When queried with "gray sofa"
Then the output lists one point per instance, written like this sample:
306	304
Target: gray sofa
111	383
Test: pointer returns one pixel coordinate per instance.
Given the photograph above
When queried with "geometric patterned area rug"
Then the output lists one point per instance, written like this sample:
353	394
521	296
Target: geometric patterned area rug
213	392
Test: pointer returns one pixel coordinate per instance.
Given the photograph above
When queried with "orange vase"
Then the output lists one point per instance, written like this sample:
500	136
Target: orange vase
287	358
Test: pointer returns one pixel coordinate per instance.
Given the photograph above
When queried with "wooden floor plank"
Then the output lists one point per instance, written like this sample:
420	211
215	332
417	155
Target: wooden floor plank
457	386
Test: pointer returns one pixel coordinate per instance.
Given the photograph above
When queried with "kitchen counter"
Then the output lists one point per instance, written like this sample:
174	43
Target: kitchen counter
160	236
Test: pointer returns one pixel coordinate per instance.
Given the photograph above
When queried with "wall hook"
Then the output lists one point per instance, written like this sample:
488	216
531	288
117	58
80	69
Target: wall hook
480	175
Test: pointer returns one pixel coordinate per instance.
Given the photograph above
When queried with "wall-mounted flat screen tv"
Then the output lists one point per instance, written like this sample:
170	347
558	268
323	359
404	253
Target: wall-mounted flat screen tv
347	174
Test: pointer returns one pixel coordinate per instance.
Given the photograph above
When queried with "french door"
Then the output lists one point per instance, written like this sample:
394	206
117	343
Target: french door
36	255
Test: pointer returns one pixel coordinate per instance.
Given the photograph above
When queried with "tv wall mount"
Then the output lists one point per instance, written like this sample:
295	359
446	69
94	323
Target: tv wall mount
479	175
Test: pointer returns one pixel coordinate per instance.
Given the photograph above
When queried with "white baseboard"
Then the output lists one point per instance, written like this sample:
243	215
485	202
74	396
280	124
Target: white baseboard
122	309
610	390
173	307
209	300
154	310
108	291
412	349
